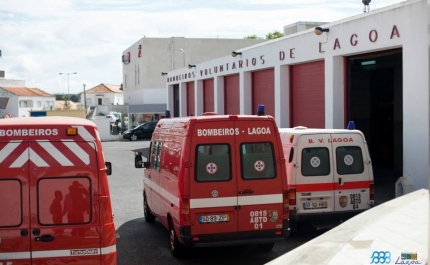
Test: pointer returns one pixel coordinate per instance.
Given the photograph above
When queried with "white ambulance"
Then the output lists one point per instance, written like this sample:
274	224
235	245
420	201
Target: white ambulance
330	175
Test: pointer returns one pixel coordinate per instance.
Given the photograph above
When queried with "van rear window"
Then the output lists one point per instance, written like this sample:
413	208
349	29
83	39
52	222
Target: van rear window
258	161
213	163
64	201
315	162
349	160
11	203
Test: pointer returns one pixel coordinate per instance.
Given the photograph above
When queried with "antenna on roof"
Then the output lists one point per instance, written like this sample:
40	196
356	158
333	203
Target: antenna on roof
366	5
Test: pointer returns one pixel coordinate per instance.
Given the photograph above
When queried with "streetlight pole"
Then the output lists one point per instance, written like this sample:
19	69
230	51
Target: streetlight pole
68	88
183	55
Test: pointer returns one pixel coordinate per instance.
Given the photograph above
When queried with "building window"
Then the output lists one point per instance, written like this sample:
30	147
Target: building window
26	104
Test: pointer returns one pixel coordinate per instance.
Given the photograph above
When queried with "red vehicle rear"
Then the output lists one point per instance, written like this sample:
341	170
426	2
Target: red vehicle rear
55	203
217	180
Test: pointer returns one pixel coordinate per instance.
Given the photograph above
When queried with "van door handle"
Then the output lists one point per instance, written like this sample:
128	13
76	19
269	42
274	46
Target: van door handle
340	181
44	238
247	191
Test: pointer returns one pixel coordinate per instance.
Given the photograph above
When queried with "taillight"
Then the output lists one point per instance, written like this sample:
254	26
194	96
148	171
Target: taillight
292	196
185	209
371	192
285	202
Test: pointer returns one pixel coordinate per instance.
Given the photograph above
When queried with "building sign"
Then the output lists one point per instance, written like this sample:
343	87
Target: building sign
126	58
290	53
139	53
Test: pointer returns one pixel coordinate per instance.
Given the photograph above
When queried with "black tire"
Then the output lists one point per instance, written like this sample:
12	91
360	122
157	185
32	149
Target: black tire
149	217
266	246
176	247
133	137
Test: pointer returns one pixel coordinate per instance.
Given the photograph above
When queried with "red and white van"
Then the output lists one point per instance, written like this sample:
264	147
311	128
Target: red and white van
330	174
54	196
217	180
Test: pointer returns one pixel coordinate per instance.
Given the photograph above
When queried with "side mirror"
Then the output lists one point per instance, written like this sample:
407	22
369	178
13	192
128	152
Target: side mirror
108	168
138	161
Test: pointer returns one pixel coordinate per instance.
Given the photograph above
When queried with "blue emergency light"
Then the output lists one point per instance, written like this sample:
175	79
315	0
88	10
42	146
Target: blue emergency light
260	110
167	113
351	125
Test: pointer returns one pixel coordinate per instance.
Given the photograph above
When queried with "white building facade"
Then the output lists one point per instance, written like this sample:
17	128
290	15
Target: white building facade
103	95
372	68
18	101
146	60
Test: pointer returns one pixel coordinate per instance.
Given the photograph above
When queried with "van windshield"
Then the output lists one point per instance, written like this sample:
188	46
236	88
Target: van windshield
258	161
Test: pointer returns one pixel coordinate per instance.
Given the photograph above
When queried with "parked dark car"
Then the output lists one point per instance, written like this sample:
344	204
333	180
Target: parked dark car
142	131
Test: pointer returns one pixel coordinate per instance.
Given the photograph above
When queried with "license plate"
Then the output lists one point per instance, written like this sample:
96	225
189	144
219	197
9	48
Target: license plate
214	218
315	205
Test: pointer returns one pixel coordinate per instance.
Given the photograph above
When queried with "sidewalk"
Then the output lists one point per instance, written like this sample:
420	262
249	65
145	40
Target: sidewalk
390	231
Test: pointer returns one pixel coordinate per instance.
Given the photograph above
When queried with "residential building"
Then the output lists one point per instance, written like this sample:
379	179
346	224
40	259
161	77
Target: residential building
18	101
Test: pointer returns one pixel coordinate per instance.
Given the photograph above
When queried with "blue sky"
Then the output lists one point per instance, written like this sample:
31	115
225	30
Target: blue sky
40	39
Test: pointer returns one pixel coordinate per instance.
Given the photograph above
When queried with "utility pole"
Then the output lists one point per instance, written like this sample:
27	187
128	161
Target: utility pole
85	100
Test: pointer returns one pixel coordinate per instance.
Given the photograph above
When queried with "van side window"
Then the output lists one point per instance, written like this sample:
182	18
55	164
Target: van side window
315	162
349	160
213	163
11	203
155	155
258	161
64	201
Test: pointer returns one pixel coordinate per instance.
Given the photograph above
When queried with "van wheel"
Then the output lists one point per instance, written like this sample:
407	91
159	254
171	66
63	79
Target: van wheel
266	246
149	217
133	137
176	247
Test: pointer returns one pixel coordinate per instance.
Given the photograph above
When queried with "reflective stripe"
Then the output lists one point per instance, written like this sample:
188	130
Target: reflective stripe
8	149
170	197
213	202
55	153
260	199
78	151
217	202
14	255
108	250
54	253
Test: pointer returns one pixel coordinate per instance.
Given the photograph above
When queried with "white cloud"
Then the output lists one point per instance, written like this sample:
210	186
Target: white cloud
46	37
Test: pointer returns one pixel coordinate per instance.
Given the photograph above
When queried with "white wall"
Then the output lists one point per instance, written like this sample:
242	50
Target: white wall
103	126
163	55
107	99
12	83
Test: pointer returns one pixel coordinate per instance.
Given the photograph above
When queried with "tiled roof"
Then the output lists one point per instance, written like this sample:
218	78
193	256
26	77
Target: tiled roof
104	88
25	91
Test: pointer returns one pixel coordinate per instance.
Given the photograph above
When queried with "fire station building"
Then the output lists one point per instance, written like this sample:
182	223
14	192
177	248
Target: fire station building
372	68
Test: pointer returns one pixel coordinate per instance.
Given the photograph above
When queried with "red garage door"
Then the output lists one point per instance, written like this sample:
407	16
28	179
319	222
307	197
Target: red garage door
190	99
208	95
307	95
231	94
263	91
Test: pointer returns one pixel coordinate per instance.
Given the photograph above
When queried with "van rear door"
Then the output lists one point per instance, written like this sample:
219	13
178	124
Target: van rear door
259	177
64	202
314	175
213	184
14	207
351	172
